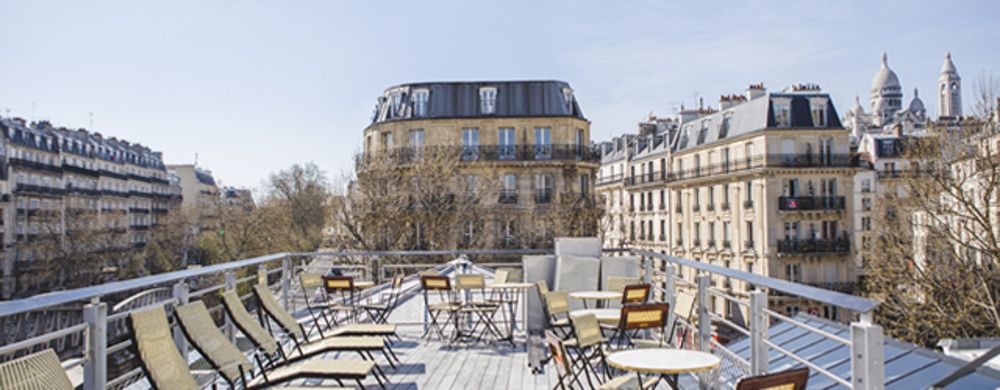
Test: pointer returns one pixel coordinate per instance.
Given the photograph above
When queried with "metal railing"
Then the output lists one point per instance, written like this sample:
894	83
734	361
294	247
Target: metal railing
279	270
865	340
102	326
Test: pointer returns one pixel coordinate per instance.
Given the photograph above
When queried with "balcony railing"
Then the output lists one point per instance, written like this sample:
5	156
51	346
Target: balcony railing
508	196
560	152
818	245
107	334
610	179
790	203
777	160
543	196
37	189
34	165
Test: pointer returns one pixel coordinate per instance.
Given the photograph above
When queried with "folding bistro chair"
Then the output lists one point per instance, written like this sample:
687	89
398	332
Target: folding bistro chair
785	380
225	357
269	307
266	343
684	305
37	371
635	294
341	290
446	304
568	375
618	283
311	282
379	311
639	318
479	312
557	313
589	343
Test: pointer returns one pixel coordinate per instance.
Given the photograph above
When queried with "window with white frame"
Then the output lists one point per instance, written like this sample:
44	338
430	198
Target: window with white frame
817	106
487	100
782	112
420	98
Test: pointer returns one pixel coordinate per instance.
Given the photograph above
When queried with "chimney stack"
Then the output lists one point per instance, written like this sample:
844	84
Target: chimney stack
755	91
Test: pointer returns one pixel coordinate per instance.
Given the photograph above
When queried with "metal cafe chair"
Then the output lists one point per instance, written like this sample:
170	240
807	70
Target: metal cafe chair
785	380
635	294
341	288
446	304
379	311
557	310
589	344
479	312
310	282
636	319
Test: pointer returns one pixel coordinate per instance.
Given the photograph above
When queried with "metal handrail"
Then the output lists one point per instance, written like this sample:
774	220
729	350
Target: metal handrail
842	300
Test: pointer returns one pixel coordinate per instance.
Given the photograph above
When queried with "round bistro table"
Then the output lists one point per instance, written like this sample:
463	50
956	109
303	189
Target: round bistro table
597	296
604	316
515	291
668	363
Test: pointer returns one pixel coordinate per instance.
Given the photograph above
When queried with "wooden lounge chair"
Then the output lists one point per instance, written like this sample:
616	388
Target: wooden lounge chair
265	341
37	371
225	357
785	380
269	305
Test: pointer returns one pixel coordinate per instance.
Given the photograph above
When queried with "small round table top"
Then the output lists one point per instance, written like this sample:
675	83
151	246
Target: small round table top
603	315
596	295
363	284
512	285
663	360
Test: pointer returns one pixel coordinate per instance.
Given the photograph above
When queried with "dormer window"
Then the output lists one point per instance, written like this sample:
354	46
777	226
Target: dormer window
487	100
724	126
817	106
397	101
702	132
782	112
568	99
420	97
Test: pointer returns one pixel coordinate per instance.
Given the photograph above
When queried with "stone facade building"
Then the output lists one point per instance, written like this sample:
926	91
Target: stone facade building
532	134
56	181
762	184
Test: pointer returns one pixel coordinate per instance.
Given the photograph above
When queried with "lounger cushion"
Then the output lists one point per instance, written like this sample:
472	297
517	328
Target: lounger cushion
348	343
366	329
40	370
318	368
155	343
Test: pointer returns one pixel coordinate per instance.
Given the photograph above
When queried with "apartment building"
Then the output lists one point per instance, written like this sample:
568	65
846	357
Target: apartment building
199	193
532	134
762	184
57	181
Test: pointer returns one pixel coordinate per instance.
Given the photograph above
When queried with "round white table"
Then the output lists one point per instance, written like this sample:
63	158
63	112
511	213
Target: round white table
668	363
605	316
595	296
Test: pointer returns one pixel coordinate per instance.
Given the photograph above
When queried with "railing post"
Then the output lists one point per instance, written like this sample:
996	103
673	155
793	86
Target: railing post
704	320
262	274
647	269
377	271
95	366
668	293
758	332
867	354
286	282
230	286
181	290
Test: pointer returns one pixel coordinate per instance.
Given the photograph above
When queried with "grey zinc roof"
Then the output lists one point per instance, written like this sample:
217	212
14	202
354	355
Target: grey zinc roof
543	98
907	366
748	117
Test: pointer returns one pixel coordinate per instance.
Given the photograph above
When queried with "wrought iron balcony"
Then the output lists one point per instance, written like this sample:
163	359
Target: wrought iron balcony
34	165
557	152
787	203
508	196
543	196
806	246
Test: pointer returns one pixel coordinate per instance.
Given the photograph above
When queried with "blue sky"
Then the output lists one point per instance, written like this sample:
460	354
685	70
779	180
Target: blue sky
253	87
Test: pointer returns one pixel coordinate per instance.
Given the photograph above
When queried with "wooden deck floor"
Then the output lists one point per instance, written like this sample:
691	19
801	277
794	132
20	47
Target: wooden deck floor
433	364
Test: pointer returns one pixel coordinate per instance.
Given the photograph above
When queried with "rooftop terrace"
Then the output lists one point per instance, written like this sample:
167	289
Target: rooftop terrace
97	352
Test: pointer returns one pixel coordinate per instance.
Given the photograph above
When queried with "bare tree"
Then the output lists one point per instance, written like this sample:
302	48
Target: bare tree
985	90
933	262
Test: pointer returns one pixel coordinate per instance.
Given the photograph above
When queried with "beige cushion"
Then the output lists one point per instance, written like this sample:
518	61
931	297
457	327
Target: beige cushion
318	368
200	329
40	370
366	329
259	336
270	305
349	343
153	339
